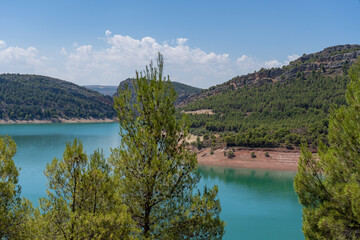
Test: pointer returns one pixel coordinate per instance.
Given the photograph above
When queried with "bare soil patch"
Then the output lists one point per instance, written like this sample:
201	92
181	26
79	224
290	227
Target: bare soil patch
201	111
279	159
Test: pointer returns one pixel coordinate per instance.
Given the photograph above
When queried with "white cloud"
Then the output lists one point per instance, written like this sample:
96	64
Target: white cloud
63	51
291	58
2	44
107	33
246	64
272	64
17	55
122	55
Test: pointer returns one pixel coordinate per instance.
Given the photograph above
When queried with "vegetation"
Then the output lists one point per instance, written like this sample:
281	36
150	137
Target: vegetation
146	190
231	154
183	91
283	114
82	200
14	211
328	184
156	172
30	97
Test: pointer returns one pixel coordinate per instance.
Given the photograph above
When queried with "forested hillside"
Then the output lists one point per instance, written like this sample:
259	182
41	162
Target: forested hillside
33	97
279	107
183	91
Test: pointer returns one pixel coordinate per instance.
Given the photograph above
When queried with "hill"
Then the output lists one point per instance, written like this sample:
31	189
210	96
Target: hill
34	97
184	91
276	107
104	90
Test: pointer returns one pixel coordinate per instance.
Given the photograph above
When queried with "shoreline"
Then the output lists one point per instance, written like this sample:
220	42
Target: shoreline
279	159
59	120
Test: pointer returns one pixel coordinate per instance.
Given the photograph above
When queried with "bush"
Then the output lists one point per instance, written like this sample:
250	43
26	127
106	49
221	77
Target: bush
211	152
267	154
253	155
231	154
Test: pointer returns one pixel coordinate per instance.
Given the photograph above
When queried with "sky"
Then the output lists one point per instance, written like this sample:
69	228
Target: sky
204	43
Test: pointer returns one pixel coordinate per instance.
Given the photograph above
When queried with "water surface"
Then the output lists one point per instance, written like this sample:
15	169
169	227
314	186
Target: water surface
256	204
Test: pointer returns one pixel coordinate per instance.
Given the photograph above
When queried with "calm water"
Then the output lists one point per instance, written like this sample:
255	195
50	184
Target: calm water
256	204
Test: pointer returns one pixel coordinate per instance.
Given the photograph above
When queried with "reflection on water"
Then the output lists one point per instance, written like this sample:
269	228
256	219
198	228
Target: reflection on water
260	180
256	204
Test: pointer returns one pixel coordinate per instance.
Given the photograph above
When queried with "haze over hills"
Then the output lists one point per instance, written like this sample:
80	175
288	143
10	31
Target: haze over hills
184	91
34	97
103	89
278	107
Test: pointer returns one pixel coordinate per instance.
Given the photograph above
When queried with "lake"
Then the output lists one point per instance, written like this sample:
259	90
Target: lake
256	204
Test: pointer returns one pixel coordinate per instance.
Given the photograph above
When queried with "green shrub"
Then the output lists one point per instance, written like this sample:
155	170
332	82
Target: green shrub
231	154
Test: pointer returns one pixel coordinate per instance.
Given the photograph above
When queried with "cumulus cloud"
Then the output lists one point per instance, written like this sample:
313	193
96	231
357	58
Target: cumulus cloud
246	64
2	44
272	64
122	55
291	58
17	59
107	33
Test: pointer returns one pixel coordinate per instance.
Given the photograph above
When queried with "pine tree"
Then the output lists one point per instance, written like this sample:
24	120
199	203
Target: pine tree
157	174
328	184
14	211
82	201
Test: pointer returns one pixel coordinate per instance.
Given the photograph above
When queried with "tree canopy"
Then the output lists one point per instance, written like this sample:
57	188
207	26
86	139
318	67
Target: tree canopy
328	184
156	172
14	211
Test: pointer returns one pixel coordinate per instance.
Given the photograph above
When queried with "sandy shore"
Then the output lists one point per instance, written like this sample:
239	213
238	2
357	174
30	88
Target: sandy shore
59	120
279	159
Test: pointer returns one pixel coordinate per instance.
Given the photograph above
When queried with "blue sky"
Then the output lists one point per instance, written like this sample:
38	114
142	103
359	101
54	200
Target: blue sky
203	42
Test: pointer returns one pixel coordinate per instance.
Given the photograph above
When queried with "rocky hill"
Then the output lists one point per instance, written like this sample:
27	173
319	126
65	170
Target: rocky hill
34	97
331	61
184	91
278	107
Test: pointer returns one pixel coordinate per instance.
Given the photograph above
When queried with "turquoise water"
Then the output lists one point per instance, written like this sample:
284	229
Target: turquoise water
256	204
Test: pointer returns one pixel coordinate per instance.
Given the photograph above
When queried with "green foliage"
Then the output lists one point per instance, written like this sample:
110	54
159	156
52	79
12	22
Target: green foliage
14	211
199	143
82	200
231	154
268	115
183	91
267	154
157	174
328	184
253	155
29	97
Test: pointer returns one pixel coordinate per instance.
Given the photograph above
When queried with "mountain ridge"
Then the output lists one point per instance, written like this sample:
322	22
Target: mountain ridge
331	60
